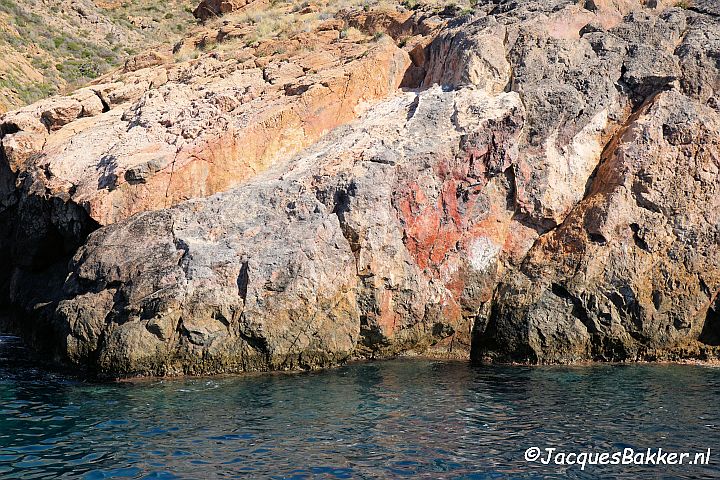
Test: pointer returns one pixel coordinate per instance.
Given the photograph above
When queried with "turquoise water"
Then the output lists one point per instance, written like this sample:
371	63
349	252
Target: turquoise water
396	419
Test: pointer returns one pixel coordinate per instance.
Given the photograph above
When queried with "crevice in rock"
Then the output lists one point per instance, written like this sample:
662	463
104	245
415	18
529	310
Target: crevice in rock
243	280
170	178
617	300
510	85
511	195
218	316
597	238
629	309
93	360
613	142
591	186
341	201
415	73
705	288
119	313
181	246
105	105
257	343
413	108
590	5
637	238
432	57
710	334
491	339
483	337
8	128
578	308
372	339
642	91
657	298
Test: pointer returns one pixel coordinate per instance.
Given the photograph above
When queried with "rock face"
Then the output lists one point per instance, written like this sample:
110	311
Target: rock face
292	269
172	133
549	195
633	271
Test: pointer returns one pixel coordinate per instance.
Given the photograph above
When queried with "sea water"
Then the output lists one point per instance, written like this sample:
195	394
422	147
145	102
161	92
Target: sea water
405	418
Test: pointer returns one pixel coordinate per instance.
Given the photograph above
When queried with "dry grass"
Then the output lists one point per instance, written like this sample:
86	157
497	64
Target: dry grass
285	19
66	44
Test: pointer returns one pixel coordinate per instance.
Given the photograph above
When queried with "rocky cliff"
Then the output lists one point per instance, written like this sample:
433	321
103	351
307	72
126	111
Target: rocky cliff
525	181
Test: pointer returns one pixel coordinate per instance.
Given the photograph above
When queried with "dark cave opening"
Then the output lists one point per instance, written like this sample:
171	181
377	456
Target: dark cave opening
710	334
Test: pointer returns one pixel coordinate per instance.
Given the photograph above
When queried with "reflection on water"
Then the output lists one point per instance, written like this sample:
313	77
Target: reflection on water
410	418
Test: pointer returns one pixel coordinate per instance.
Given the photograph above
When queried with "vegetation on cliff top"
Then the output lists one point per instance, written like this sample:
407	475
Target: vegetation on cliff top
51	47
54	47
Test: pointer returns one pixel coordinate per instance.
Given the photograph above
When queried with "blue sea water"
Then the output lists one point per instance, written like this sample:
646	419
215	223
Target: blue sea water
395	419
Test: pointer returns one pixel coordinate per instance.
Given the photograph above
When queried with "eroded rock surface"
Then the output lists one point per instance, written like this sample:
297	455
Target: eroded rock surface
548	194
304	265
633	271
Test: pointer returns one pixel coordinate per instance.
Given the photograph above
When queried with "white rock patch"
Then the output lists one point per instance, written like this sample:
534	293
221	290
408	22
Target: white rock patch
483	254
